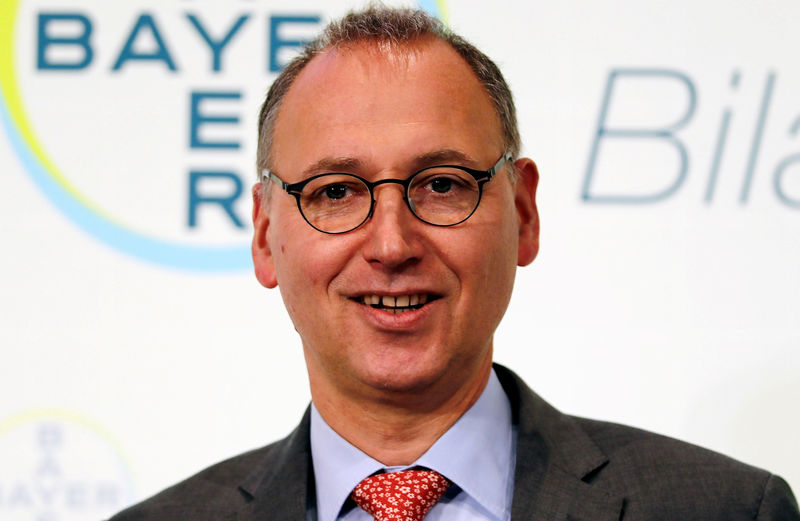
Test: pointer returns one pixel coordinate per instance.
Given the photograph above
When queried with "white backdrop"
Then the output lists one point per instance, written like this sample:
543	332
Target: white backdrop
137	348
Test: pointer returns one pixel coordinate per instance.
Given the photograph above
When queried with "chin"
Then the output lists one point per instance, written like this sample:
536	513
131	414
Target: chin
404	379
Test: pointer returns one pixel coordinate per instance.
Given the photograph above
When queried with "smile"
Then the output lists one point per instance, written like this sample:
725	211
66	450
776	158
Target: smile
398	304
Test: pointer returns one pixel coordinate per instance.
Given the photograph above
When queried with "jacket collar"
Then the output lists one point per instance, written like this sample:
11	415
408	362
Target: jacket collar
556	464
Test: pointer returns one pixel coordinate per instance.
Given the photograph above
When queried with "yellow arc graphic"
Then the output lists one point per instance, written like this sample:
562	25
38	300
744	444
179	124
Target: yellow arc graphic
16	109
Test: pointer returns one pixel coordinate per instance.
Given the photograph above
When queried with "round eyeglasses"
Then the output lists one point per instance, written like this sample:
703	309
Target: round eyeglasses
443	195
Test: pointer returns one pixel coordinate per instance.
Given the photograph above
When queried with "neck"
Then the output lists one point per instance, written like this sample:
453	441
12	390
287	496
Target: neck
397	428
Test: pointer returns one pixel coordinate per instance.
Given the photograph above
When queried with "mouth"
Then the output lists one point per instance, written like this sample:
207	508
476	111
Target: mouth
396	304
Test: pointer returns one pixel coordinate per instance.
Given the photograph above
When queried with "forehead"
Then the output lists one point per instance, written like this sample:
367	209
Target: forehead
372	101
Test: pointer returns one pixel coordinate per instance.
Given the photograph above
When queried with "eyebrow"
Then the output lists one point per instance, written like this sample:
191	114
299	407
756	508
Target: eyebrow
333	164
443	156
351	164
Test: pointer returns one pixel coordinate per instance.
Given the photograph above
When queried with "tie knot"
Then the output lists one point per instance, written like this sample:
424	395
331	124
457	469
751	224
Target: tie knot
400	496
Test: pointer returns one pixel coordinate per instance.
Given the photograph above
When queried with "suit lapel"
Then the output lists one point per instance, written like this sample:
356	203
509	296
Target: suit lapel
278	488
556	460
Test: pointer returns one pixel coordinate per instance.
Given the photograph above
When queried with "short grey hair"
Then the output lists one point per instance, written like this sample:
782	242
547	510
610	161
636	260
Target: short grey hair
394	26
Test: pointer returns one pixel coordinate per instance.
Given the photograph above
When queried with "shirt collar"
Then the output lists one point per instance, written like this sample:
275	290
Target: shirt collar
476	453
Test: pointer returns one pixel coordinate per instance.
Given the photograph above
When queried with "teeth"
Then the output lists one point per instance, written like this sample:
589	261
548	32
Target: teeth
395	304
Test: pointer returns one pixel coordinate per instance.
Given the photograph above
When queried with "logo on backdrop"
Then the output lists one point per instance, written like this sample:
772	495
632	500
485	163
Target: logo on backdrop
137	123
60	467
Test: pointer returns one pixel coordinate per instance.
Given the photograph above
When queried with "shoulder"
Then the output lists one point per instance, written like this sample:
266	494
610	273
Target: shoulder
211	494
651	475
637	448
656	473
636	452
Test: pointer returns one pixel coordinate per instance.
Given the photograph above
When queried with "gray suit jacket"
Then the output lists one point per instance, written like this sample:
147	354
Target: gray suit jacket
567	469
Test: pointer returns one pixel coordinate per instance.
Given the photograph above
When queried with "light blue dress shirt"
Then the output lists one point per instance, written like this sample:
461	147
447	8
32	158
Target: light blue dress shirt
477	454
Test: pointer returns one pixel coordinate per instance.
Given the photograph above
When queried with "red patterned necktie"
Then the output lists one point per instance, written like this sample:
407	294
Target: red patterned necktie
400	496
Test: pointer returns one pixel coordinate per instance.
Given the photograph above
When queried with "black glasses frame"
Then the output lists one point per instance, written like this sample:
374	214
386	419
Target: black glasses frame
481	177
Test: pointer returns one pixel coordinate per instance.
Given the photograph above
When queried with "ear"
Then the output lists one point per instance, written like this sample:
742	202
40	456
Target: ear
262	253
525	201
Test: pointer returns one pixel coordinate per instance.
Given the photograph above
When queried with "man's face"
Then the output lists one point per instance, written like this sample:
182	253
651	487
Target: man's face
387	116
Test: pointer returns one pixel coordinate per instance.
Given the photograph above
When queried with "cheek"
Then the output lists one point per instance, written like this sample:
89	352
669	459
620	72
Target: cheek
299	266
495	249
307	261
491	262
291	243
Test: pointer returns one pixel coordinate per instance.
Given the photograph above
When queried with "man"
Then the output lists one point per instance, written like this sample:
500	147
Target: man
392	212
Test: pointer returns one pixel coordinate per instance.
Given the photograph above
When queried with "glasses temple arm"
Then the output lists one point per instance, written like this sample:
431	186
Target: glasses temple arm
500	162
266	174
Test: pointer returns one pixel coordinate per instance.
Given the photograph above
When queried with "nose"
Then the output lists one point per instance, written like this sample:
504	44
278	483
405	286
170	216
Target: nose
392	241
